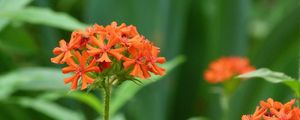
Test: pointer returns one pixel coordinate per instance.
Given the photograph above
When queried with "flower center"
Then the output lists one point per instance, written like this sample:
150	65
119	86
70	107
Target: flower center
104	48
84	40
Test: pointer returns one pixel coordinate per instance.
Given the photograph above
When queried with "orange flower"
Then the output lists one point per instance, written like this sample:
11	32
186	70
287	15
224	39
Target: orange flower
273	110
63	52
127	33
259	112
144	57
296	114
103	50
80	70
152	53
82	38
227	67
137	59
108	47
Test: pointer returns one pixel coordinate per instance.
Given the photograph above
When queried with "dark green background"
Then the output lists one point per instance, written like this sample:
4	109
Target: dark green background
265	31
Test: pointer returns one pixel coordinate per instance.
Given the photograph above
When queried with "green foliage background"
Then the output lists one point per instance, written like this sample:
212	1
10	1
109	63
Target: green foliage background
266	31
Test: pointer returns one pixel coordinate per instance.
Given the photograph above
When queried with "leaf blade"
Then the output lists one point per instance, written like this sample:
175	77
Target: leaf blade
274	77
44	16
50	109
11	5
31	78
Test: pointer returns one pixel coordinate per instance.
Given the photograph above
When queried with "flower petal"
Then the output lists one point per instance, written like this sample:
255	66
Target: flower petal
68	69
161	60
92	68
117	53
66	56
128	63
104	58
57	59
86	80
72	78
137	71
57	51
93	51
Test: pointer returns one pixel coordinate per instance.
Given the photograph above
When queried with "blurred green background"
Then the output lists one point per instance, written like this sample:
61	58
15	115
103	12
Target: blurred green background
266	31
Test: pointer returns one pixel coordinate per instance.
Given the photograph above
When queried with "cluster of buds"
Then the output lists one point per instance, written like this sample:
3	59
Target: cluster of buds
107	51
227	67
273	110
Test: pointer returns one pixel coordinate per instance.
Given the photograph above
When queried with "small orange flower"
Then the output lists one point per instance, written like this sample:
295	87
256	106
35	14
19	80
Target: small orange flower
273	110
63	52
152	53
80	70
103	50
82	38
137	59
257	115
144	57
227	67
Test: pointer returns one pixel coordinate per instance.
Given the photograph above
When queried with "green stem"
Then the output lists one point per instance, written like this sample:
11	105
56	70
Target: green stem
299	68
229	87
297	94
107	95
225	106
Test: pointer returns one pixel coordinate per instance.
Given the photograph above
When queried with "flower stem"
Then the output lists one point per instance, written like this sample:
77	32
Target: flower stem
297	95
107	95
225	106
229	87
299	68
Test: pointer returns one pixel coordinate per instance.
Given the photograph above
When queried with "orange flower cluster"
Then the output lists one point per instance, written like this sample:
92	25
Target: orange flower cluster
227	67
273	110
98	47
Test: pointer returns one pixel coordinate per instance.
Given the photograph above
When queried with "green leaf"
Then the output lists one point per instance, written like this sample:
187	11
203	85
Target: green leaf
50	109
31	79
86	98
127	90
198	118
44	16
274	77
11	5
47	79
89	99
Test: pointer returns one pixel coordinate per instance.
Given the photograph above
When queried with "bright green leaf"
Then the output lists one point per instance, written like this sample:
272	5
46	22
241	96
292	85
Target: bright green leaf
44	16
127	90
31	79
51	109
10	5
274	77
42	79
271	76
86	98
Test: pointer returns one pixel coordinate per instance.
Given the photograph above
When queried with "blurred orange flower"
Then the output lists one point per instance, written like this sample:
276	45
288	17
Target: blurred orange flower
227	67
273	110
